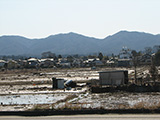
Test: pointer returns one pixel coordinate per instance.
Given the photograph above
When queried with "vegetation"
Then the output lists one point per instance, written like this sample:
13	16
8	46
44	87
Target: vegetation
135	63
145	105
153	72
157	58
100	56
83	106
48	55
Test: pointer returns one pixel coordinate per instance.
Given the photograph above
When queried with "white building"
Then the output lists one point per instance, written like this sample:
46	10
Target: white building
125	53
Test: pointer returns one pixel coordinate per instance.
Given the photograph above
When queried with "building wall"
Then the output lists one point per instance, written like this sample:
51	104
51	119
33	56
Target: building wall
57	83
2	64
60	84
112	78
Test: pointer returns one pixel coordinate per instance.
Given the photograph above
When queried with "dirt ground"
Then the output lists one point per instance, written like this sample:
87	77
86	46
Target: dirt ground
23	89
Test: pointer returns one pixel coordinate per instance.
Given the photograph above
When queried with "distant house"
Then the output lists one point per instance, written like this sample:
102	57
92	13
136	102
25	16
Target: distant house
47	63
2	63
32	62
110	63
77	62
125	58
125	53
12	64
93	62
124	62
22	63
97	62
64	63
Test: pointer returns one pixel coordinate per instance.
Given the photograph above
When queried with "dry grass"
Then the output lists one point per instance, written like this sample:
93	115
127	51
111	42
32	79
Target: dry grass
66	106
122	106
69	97
145	105
83	106
77	106
40	107
69	106
140	105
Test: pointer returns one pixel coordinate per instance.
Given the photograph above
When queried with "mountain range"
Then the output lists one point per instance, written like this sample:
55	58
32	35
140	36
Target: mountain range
73	43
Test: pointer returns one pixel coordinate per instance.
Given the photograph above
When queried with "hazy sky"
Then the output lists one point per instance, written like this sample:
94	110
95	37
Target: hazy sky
95	18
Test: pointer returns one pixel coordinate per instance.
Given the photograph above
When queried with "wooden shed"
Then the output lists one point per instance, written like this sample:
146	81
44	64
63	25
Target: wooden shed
119	77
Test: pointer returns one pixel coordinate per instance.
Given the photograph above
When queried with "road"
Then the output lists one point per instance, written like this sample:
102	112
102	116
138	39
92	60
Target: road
88	117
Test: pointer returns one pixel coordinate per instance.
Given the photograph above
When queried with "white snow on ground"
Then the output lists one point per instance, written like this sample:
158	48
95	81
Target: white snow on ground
31	99
130	71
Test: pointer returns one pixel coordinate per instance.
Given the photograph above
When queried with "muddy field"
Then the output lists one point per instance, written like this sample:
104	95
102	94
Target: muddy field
23	89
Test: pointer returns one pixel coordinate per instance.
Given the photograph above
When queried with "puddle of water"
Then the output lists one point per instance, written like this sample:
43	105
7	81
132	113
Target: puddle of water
30	99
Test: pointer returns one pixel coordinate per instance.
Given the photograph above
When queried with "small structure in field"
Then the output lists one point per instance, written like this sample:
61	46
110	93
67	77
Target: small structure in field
119	77
57	83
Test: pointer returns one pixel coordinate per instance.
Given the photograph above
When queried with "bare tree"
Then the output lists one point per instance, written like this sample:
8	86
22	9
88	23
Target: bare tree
135	63
48	55
153	71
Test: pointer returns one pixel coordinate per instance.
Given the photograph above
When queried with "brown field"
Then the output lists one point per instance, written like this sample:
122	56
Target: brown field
35	86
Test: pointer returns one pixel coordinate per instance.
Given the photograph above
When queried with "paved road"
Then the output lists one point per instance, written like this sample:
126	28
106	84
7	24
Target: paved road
87	117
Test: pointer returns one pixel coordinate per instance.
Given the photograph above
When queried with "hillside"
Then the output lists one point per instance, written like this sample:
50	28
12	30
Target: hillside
133	40
73	43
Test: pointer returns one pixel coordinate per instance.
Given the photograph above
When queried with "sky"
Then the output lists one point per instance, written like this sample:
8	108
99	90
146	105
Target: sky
94	18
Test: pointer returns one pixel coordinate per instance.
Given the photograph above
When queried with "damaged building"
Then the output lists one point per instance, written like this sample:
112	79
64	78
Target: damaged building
57	83
119	77
109	80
